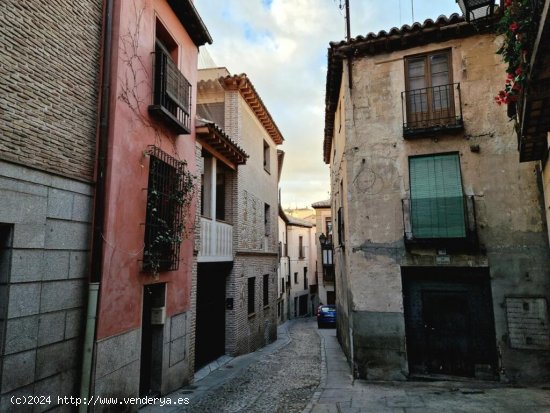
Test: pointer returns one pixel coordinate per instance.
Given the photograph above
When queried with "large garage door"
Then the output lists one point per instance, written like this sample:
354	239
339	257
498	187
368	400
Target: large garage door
210	324
449	322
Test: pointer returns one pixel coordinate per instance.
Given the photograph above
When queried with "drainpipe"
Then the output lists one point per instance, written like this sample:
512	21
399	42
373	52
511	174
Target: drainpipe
99	206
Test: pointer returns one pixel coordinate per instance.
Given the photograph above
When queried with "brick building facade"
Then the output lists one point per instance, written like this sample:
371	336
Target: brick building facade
48	120
243	217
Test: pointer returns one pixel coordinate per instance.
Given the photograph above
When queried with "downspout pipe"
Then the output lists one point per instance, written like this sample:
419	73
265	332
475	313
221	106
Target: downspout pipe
99	206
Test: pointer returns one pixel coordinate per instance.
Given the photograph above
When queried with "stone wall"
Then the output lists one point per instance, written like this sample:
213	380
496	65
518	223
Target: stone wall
43	281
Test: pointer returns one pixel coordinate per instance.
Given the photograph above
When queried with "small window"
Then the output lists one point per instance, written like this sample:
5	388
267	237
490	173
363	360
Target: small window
266	289
301	247
328	227
267	211
340	216
305	278
251	295
266	157
295	278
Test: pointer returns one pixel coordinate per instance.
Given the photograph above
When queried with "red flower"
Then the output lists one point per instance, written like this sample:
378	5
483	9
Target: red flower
508	3
510	76
518	71
514	27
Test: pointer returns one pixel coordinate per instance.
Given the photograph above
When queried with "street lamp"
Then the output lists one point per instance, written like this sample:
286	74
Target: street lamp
477	11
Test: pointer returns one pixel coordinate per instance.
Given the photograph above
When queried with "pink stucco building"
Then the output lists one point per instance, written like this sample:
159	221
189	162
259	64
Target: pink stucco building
143	248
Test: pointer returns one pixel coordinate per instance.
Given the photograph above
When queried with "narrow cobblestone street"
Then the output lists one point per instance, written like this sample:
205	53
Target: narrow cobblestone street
283	381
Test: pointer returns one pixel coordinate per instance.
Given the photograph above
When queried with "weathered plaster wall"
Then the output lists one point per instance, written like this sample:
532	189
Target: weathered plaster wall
509	220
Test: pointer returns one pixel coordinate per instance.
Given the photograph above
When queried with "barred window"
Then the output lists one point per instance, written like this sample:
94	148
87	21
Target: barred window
164	222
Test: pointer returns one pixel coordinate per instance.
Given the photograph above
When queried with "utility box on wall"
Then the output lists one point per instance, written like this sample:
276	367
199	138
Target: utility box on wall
158	316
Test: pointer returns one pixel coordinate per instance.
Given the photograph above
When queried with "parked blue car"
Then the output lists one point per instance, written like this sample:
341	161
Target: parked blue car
326	315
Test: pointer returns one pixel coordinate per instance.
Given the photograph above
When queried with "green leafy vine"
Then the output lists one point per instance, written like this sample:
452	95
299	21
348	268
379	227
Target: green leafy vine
169	221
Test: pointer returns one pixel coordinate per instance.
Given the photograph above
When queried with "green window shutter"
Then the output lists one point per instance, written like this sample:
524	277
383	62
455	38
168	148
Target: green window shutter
437	203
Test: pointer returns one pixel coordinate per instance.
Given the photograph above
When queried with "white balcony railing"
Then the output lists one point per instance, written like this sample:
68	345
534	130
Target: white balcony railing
216	241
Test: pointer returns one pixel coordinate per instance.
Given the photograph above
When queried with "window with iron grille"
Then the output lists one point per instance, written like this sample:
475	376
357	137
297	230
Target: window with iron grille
164	224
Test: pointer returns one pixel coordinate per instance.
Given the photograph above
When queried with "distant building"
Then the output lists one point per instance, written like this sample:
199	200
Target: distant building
283	271
441	250
324	262
301	213
237	249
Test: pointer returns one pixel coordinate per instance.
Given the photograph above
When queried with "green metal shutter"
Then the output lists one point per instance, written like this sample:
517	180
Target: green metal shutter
437	202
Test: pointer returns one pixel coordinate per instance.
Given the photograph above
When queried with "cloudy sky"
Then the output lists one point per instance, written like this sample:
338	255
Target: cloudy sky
282	46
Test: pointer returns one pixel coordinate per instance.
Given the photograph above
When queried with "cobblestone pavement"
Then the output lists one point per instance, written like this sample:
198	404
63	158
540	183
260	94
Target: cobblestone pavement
283	381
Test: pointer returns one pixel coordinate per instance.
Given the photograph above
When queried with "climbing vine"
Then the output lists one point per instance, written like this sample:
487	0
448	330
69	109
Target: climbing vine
516	26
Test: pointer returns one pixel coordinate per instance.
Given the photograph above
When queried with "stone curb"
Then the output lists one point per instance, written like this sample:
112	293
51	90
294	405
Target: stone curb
317	394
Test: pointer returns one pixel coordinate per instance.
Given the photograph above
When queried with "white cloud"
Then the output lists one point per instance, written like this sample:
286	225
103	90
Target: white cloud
283	49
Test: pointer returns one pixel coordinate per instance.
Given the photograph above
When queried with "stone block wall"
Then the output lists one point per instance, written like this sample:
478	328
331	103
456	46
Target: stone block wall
48	83
45	225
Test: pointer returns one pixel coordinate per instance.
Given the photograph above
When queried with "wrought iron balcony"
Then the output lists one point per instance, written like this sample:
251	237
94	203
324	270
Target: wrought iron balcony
171	94
445	222
436	109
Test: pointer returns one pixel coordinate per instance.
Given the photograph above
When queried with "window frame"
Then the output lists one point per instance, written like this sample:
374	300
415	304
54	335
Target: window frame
266	290
251	296
163	212
267	157
456	155
429	114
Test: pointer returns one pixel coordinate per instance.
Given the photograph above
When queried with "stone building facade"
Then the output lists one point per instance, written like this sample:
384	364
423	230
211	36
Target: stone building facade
302	254
243	264
324	263
48	117
441	254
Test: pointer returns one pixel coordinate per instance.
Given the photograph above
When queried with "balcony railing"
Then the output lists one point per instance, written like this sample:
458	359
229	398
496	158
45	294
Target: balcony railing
431	110
446	222
216	241
172	93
